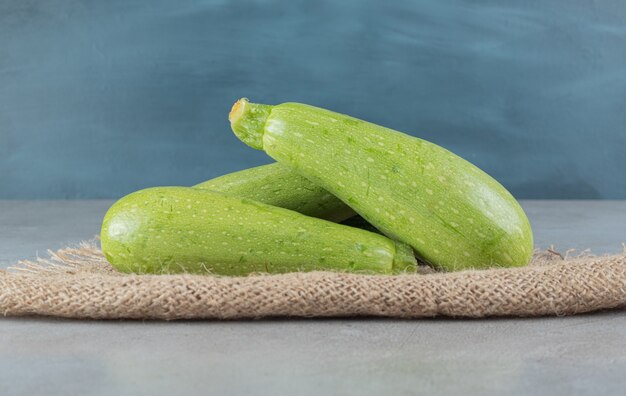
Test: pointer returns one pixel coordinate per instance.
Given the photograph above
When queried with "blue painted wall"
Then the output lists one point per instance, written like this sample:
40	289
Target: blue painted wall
99	98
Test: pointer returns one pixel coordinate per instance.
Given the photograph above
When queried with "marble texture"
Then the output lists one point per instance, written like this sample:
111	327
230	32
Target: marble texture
101	98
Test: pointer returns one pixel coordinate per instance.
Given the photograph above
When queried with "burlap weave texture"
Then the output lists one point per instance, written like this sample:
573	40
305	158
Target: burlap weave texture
79	283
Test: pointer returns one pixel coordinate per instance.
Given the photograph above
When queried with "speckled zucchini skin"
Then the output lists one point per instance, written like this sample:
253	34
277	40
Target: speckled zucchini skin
183	229
452	213
277	185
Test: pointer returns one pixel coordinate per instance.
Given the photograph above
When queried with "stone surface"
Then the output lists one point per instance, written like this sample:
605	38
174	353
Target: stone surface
101	98
571	355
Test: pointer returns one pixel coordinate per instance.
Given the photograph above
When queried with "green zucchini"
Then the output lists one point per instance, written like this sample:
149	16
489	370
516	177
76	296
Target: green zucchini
452	213
184	229
277	185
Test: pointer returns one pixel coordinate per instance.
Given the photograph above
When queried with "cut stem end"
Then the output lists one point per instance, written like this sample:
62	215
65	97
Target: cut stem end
237	110
247	120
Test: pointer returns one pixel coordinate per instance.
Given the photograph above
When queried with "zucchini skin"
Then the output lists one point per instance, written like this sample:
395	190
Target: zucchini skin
452	213
277	185
182	229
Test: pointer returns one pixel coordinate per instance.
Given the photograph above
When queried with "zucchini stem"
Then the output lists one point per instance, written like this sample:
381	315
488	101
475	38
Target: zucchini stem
248	121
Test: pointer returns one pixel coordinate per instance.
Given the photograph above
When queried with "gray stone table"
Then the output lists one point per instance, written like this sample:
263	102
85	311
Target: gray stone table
583	354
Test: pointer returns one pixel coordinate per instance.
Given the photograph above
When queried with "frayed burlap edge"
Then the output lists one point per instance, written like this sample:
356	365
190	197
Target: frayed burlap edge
79	283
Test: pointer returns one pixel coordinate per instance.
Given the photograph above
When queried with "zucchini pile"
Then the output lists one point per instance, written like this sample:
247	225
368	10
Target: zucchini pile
417	199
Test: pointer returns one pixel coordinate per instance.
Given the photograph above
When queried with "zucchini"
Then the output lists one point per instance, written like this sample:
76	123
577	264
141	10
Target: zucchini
184	229
452	213
277	185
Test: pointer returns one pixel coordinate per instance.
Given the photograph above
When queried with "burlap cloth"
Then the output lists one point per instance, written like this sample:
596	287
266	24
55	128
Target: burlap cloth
79	283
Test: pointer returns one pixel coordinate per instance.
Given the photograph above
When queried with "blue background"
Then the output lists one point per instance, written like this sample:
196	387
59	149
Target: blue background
99	98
